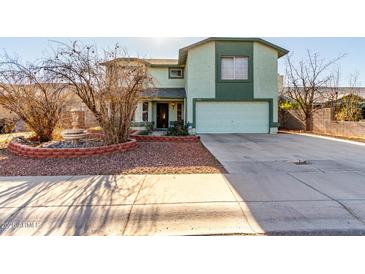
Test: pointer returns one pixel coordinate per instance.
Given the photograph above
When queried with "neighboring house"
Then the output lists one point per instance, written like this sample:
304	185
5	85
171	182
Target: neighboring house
219	85
343	92
328	97
323	119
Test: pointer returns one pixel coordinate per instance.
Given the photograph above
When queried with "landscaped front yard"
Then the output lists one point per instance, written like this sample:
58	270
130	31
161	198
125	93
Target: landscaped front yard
148	157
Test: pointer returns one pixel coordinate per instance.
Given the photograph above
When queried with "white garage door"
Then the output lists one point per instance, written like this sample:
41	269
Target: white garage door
232	117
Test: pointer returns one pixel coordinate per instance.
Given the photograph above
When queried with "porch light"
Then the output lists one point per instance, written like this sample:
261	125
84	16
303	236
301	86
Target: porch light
173	105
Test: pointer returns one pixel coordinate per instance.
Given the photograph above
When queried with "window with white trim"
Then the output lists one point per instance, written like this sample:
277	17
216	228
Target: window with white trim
179	112
234	68
145	112
176	73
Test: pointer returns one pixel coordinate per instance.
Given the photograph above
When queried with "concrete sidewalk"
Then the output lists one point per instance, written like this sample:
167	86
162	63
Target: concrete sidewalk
121	205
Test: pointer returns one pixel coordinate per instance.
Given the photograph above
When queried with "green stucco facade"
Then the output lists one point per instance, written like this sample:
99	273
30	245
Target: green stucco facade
266	77
162	80
261	85
200	75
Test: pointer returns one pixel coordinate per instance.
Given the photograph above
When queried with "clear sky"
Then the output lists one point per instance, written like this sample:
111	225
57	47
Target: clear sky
159	47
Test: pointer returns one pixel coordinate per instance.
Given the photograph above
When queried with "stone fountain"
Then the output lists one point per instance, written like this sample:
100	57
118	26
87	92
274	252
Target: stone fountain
75	134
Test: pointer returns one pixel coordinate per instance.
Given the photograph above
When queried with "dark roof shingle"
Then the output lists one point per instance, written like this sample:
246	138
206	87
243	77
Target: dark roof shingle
165	93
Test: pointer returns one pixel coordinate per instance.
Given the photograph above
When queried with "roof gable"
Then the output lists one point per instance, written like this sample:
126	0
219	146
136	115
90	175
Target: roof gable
184	51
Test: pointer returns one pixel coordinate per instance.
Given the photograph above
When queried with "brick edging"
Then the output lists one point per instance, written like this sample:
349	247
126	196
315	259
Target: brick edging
178	139
36	152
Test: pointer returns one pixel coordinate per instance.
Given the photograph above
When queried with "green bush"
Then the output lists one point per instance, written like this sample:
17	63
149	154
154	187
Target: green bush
149	127
350	108
143	132
179	129
346	114
286	105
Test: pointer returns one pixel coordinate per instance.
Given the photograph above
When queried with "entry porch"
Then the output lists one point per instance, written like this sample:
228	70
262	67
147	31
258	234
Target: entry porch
161	113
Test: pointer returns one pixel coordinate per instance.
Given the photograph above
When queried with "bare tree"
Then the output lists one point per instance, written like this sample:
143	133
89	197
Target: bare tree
307	82
333	91
30	92
110	88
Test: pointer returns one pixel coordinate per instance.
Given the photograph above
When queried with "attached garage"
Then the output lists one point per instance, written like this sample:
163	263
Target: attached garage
232	117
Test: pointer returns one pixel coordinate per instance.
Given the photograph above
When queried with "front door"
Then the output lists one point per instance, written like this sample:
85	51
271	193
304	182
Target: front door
162	115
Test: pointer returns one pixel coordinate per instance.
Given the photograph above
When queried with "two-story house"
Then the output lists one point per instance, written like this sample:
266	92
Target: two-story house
219	85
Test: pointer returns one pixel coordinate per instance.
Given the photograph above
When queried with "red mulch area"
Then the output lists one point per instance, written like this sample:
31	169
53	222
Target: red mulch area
147	158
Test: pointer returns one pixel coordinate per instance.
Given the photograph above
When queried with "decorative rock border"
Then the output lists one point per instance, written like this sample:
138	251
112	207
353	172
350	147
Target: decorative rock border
178	139
36	152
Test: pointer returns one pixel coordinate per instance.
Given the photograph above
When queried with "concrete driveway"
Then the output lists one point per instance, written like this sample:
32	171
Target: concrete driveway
325	195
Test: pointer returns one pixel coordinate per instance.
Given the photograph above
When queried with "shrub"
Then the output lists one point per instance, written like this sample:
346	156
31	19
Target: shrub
286	105
109	86
179	129
143	132
30	92
149	127
350	108
57	134
345	114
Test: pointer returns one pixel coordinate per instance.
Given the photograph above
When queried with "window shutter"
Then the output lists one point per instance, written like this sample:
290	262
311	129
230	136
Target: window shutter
241	68
227	68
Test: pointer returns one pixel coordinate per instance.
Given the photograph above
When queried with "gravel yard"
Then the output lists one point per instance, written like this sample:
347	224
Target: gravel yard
149	157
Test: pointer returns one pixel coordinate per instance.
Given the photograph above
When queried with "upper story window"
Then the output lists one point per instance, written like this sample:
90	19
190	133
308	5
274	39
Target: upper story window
234	68
176	73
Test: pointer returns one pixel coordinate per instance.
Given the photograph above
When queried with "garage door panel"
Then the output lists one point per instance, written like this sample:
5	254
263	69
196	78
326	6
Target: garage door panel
232	117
